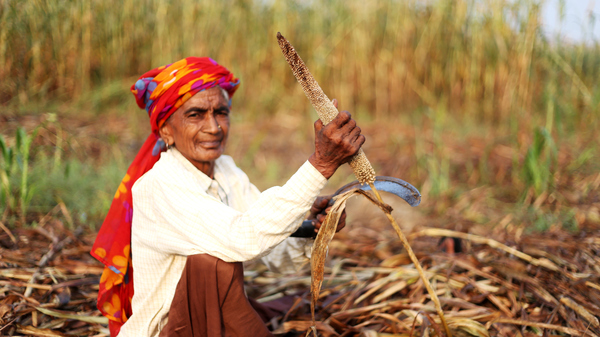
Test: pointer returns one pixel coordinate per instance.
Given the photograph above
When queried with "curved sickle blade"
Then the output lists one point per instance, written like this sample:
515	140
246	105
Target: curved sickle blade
396	186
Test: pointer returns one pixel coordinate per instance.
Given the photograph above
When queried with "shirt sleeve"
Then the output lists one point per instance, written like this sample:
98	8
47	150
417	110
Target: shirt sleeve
290	255
185	221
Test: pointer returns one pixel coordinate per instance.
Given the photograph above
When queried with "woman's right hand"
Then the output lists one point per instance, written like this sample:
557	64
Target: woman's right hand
319	210
335	143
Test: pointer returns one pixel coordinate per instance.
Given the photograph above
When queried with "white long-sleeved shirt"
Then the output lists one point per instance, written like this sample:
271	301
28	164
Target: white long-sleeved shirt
179	211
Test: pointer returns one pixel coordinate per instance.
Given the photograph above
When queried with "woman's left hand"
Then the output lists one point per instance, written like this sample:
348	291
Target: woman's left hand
319	210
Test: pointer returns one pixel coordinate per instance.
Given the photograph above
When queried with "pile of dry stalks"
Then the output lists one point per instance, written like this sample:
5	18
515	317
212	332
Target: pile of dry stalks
543	284
530	285
49	282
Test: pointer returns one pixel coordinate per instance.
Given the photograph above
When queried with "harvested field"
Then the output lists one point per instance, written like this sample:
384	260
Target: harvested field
501	282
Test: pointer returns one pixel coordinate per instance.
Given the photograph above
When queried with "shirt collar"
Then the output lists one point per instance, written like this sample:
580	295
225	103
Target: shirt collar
220	176
204	180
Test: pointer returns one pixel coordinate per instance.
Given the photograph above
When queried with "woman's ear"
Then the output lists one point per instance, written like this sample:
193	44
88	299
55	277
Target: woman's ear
166	133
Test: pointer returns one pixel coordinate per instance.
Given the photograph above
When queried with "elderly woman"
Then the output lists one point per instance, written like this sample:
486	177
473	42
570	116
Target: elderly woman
185	217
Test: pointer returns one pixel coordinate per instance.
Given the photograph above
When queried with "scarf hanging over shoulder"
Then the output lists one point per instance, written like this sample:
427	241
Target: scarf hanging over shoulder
160	91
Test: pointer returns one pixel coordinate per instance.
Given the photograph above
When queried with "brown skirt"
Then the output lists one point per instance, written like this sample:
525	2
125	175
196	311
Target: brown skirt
210	301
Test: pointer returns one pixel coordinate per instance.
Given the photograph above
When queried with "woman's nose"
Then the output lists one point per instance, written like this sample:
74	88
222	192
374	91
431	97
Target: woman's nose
210	124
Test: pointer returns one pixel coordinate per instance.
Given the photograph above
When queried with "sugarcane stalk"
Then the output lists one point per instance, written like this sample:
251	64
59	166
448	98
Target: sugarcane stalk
360	164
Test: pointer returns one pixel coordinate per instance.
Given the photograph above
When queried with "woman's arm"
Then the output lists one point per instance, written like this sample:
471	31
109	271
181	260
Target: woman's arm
180	220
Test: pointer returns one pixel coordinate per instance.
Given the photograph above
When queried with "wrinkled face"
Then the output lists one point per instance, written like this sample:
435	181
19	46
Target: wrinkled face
199	128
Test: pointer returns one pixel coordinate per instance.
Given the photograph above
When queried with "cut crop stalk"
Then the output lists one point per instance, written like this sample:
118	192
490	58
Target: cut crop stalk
413	258
360	164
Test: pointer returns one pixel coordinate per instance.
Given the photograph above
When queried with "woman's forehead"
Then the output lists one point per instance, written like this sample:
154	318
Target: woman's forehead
210	98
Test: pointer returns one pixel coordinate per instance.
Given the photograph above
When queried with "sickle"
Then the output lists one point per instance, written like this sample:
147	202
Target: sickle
396	186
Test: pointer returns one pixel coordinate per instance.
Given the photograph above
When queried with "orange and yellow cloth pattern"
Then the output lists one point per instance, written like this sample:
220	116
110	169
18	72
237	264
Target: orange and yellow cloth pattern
160	91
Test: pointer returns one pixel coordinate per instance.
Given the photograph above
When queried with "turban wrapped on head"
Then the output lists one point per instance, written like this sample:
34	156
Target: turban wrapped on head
160	92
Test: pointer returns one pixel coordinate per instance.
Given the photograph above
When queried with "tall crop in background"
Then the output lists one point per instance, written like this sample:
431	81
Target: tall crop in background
15	161
484	60
454	73
23	147
540	162
6	168
34	178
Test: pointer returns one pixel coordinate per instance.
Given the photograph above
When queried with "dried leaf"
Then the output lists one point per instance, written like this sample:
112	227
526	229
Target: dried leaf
559	328
490	242
581	311
33	331
325	329
89	319
398	286
320	247
462	327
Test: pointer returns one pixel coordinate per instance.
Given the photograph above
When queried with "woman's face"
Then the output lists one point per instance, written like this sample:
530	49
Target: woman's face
199	128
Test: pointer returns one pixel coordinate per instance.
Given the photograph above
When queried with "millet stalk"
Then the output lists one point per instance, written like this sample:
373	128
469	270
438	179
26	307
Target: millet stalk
360	164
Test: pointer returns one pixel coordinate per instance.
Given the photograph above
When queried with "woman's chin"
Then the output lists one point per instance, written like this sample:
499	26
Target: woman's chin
205	154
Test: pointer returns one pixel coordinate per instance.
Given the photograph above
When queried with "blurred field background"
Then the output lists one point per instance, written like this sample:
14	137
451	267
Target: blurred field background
493	120
492	117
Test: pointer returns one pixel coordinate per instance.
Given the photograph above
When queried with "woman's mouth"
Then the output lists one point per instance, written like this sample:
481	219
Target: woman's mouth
210	144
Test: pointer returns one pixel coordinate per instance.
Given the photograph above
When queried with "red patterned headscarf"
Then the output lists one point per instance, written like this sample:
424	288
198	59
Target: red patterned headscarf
160	91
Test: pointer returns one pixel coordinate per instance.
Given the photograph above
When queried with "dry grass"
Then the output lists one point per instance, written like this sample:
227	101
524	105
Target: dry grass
49	284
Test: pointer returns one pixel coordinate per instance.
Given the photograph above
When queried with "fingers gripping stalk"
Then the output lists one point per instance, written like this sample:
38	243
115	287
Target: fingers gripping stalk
327	111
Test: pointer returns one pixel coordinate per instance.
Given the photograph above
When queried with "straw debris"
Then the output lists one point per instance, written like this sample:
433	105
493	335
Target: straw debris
49	283
369	287
484	291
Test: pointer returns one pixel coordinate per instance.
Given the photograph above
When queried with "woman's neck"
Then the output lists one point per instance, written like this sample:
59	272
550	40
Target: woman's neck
206	167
